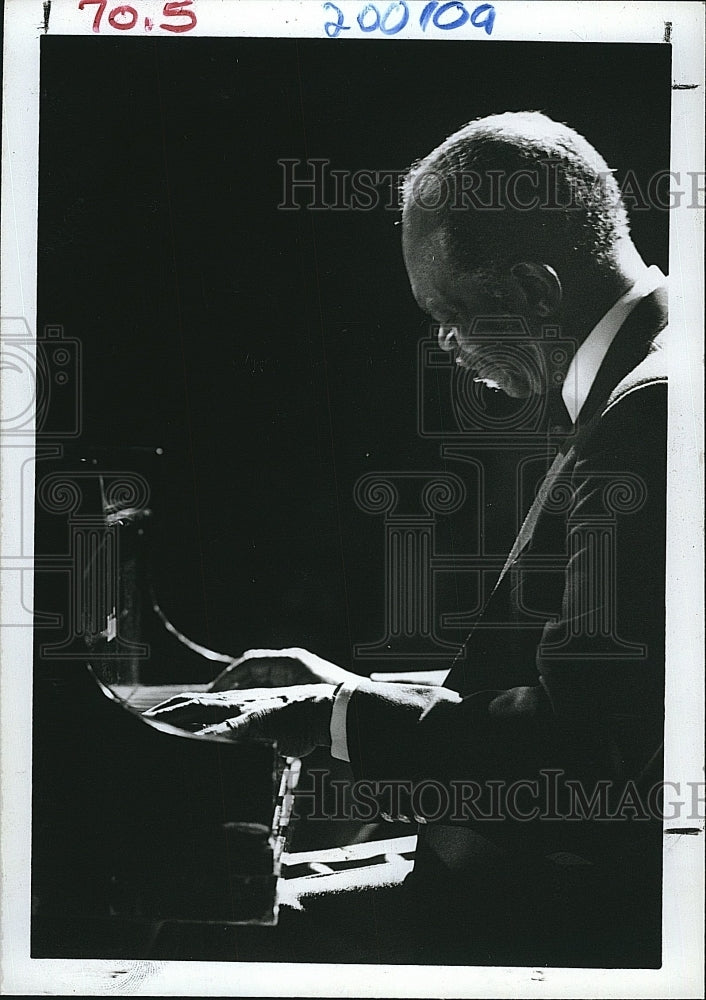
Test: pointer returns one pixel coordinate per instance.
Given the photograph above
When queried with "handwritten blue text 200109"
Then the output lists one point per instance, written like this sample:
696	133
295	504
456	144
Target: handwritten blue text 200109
445	16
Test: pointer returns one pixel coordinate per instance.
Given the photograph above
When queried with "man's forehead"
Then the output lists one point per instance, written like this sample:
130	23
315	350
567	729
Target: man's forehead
429	267
424	240
423	229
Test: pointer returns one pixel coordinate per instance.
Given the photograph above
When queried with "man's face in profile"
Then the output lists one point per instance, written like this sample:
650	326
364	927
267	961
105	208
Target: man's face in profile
460	301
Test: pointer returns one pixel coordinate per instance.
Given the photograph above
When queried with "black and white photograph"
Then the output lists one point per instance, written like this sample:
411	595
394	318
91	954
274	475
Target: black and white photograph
352	535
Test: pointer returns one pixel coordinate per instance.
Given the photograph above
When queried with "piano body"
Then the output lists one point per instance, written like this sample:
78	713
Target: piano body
134	823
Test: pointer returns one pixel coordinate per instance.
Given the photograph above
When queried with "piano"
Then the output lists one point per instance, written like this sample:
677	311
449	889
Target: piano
136	824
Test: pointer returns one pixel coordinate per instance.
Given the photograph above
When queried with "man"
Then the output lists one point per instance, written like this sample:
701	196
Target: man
560	692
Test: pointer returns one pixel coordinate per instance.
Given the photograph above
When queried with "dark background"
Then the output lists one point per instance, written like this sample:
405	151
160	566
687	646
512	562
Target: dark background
272	354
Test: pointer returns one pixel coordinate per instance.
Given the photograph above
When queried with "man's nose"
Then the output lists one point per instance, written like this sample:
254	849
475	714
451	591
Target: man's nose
447	338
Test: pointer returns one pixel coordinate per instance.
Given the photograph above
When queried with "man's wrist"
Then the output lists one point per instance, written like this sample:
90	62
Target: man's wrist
339	717
324	702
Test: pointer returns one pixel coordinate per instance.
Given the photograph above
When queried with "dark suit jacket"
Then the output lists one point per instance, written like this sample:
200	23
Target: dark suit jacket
564	668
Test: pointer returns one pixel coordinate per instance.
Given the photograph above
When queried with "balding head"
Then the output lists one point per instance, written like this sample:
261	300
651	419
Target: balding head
515	187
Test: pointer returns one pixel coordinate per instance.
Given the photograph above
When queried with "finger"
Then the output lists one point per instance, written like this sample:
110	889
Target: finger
212	709
258	695
252	707
235	728
192	710
190	698
264	721
176	702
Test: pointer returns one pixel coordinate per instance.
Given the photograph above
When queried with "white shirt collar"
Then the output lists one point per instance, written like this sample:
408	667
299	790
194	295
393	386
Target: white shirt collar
590	354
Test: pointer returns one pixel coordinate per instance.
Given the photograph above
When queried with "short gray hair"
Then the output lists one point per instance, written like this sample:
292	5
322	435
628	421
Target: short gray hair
580	218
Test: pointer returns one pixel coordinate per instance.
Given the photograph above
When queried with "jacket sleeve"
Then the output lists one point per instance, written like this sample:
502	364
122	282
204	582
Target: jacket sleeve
597	707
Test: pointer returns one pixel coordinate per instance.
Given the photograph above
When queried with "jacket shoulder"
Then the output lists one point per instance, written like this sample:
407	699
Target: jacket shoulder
650	374
633	420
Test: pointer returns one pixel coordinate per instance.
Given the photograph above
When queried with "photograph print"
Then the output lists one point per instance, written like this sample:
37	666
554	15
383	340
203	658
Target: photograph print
350	501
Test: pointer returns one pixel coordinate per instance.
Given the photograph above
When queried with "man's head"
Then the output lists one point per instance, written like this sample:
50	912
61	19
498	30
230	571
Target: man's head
513	215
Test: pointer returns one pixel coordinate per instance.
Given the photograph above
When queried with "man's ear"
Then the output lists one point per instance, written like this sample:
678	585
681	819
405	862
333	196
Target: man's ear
541	286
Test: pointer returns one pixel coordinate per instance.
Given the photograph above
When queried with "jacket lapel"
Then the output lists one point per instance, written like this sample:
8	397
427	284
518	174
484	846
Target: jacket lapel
630	346
527	530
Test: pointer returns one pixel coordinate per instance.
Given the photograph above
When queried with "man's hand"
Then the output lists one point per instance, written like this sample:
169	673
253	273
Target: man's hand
297	717
260	668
